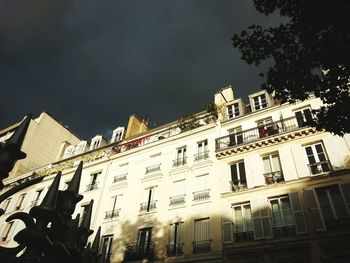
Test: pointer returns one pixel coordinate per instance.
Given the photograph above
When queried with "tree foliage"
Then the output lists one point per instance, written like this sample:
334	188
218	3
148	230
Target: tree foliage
310	54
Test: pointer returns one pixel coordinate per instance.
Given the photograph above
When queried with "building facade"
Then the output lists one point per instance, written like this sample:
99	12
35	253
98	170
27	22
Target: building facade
257	184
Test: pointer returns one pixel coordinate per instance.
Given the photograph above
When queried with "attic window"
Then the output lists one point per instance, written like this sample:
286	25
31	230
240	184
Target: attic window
259	102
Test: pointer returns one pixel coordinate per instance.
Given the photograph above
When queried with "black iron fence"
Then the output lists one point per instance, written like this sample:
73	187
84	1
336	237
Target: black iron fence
274	177
175	250
201	246
91	187
201	156
201	195
112	214
177	200
153	168
320	167
120	178
179	162
148	206
139	251
238	185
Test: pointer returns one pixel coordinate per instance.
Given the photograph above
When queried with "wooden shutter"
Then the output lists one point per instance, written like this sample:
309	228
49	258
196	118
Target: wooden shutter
266	220
257	220
314	210
227	236
298	213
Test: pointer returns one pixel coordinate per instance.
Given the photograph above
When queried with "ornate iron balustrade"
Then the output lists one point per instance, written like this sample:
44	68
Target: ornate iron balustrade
238	185
201	156
112	214
177	200
120	178
274	177
153	168
244	236
148	206
179	162
201	195
258	133
320	167
175	250
201	246
284	231
91	187
139	251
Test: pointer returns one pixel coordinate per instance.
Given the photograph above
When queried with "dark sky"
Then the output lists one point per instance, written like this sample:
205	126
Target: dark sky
92	63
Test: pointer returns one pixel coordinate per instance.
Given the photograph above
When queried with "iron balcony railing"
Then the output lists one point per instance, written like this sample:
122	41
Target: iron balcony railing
238	185
112	214
274	177
139	251
258	133
91	187
175	250
148	206
179	162
120	178
320	167
201	195
177	200
201	156
201	246
153	168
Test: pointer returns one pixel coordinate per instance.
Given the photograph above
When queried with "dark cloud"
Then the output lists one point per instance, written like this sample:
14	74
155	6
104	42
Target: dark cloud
93	63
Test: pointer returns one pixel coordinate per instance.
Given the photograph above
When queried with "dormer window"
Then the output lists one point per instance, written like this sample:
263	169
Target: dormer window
233	110
81	147
96	142
259	102
117	135
69	151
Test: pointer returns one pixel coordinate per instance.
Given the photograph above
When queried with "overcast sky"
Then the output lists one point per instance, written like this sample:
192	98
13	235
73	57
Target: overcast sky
92	63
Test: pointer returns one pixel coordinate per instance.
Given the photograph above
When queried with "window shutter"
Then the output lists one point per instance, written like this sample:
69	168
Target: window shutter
172	234
227	232
266	220
314	211
234	175
179	233
298	213
346	193
257	220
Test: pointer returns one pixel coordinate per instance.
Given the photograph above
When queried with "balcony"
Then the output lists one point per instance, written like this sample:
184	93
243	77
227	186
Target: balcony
177	200
135	251
153	168
244	236
112	214
201	156
201	195
259	133
274	177
148	206
238	185
91	187
320	167
180	162
175	250
120	178
201	246
284	231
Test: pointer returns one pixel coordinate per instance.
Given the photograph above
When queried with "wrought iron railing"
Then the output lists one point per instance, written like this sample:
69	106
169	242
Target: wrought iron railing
175	250
120	178
91	187
274	177
201	246
153	168
201	195
112	214
179	162
244	236
139	251
320	167
148	206
177	200
201	156
238	185
258	133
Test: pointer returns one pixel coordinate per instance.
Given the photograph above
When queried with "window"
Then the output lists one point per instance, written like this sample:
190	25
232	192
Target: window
122	173
150	196
37	197
272	169
114	213
202	151
106	248
243	225
267	128
96	142
145	240
154	164
233	110
178	193
6	231
202	241
117	135
259	102
318	162
201	188
84	209
282	216
304	117
93	181
6	204
238	177
333	207
235	136
69	151
175	246
181	157
20	201
81	147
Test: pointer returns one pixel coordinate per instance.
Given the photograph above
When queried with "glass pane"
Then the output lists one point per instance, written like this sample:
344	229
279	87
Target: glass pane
267	165
287	211
238	219
276	163
338	202
276	215
325	204
242	172
248	218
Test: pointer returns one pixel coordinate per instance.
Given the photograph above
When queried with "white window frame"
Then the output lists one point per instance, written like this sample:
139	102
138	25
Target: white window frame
241	206
233	110
317	158
260	102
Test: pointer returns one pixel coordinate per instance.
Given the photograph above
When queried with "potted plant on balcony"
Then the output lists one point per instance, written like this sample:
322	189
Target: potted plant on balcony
188	122
212	112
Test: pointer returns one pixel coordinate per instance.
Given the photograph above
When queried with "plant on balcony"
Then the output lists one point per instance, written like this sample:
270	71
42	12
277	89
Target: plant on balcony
212	110
188	122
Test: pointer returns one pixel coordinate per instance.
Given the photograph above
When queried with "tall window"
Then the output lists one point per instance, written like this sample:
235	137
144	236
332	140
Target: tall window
106	248
6	204
175	246
154	163
233	110
259	102
238	177
282	216
117	135
150	196
202	241
181	157
243	222
114	212
178	193
201	188
236	136
20	201
37	197
304	117
93	181
6	231
144	240
272	169
333	207
318	162
202	151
